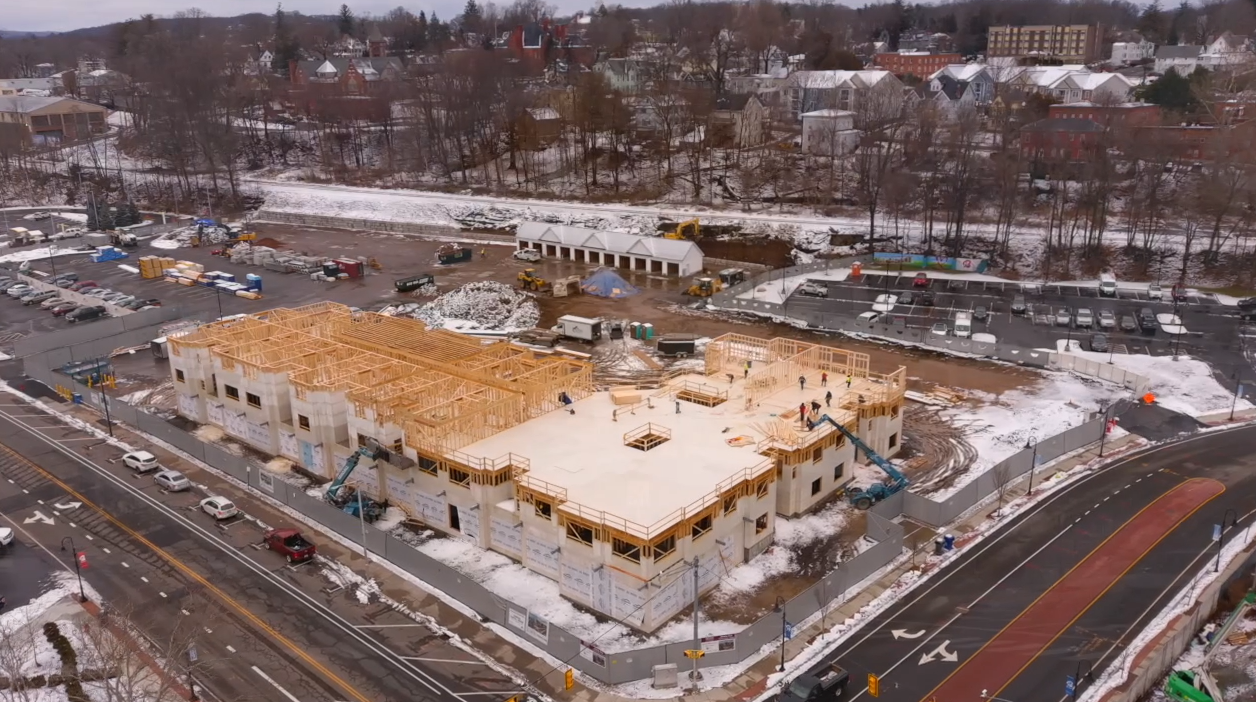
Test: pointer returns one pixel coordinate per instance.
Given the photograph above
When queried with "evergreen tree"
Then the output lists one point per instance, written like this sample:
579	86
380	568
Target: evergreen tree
345	21
437	33
1151	22
1172	92
286	46
471	16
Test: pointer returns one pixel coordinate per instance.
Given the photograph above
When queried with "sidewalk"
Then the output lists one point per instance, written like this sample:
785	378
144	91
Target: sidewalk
540	672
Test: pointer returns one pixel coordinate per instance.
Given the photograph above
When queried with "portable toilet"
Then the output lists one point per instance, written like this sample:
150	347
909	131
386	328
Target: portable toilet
647	331
253	282
856	269
636	329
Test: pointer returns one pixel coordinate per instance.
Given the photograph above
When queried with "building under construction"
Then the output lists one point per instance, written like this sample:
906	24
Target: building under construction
603	490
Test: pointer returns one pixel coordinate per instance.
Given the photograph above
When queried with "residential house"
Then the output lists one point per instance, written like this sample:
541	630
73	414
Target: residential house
338	88
1125	53
1182	59
1226	51
916	63
102	85
537	44
51	120
918	40
1060	140
978	77
348	47
1077	86
1126	114
953	97
625	75
260	62
738	120
829	132
873	95
36	87
539	127
1076	43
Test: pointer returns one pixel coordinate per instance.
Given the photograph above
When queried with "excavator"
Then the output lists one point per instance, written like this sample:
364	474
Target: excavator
354	502
863	498
529	280
688	229
1197	684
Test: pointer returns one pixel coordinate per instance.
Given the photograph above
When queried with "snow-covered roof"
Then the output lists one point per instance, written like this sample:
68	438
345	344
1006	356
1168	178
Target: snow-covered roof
543	113
611	242
960	71
828	114
839	79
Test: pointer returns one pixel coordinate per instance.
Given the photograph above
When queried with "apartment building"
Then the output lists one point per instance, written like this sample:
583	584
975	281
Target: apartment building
1074	43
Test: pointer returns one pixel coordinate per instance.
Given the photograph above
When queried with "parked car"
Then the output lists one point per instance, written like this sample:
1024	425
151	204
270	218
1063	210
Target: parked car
17	291
928	299
907	298
885	303
1018	305
921	280
290	544
99	292
64	308
140	461
219	507
39	297
172	481
529	255
1063	317
121	301
1107	319
939	329
1155	292
980	313
72	277
83	285
86	314
64	283
87	292
956	284
869	317
1179	293
1128	323
13	283
6	536
51	302
1147	321
1085	319
136	304
1099	343
115	296
811	289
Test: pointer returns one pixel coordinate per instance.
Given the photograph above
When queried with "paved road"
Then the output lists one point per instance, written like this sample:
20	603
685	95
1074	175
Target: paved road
1066	586
263	630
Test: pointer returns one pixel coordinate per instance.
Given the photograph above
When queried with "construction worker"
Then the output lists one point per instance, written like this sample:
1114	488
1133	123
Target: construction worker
828	399
815	407
848	382
802	409
824	379
483	253
802	382
745	373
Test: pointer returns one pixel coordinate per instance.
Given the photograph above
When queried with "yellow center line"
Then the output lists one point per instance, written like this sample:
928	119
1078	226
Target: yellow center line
187	570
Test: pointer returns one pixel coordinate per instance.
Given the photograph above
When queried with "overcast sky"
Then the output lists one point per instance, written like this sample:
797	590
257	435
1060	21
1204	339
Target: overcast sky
64	15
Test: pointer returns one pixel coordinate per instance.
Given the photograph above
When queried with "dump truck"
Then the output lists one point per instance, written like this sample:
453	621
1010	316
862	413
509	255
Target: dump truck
451	253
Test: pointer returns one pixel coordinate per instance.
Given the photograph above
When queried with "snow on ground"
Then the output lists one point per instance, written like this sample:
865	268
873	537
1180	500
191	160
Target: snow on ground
1185	385
1003	425
486	305
779	289
782	556
79	217
137	397
39	254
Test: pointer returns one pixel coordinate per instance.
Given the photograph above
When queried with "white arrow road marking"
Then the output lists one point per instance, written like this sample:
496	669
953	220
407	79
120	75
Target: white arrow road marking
39	517
940	652
69	505
903	634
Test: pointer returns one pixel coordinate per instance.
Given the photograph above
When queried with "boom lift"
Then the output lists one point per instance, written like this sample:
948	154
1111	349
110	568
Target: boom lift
353	502
1197	684
863	498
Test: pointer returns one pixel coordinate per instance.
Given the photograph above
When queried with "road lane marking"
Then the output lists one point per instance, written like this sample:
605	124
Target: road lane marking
106	550
163	595
230	649
276	685
143	578
415	673
444	660
124	564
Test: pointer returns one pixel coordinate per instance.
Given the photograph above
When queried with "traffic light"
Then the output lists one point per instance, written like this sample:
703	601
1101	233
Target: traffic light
874	685
570	679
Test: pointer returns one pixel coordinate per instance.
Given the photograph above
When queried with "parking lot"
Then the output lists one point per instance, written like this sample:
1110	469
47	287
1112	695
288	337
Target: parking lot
1214	331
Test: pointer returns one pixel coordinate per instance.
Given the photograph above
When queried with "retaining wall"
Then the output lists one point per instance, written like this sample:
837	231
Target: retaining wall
375	225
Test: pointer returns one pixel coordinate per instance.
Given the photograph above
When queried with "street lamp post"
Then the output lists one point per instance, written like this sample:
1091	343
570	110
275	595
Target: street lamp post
104	401
1237	387
78	571
1077	675
1230	518
1033	463
1103	428
780	607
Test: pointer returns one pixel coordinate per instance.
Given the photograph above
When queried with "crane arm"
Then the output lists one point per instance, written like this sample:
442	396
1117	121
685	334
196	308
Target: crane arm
895	474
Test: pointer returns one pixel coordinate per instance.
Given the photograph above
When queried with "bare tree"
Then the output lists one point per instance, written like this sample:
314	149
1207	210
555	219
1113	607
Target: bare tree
1002	476
878	115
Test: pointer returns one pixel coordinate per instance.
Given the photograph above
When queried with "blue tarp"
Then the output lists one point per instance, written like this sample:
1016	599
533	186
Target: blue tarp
605	282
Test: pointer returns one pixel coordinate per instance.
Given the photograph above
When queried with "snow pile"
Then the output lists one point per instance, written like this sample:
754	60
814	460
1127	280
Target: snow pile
208	433
39	254
278	464
486	305
1185	385
783	555
776	291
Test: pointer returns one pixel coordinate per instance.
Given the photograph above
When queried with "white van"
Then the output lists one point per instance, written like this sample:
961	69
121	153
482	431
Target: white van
1107	285
963	324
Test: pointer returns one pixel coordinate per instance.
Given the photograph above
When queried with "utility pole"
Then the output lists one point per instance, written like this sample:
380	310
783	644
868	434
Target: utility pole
1238	387
697	643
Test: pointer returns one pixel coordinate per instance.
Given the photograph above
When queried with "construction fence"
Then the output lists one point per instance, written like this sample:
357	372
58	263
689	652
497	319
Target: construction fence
607	667
376	225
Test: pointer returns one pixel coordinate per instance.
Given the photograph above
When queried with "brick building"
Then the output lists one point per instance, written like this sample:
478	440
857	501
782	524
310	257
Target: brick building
1128	114
41	120
1060	140
921	64
1074	43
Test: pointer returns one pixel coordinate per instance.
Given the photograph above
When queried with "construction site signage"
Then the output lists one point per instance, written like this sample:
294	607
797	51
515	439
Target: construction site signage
593	654
716	644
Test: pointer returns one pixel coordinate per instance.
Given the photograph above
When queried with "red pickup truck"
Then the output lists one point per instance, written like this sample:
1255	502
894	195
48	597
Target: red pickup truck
290	544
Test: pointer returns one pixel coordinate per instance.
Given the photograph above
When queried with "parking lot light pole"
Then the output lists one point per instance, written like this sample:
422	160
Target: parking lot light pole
780	607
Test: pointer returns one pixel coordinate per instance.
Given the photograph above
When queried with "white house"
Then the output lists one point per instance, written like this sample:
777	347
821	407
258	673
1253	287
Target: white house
829	132
652	254
1183	59
873	94
1227	50
979	78
1125	53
